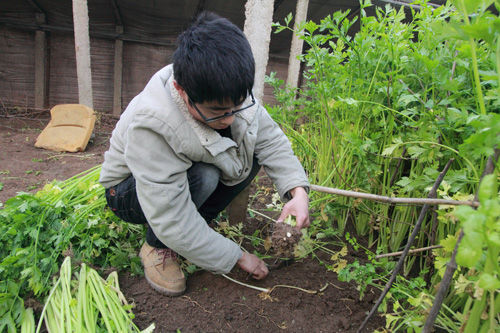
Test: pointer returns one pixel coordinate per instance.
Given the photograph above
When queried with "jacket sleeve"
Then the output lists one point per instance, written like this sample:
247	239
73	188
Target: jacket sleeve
163	193
275	154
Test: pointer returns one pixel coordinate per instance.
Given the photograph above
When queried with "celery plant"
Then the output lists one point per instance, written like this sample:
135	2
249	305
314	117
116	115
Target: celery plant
414	95
383	110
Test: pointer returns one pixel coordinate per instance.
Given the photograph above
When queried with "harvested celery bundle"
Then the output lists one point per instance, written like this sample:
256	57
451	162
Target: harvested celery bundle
89	304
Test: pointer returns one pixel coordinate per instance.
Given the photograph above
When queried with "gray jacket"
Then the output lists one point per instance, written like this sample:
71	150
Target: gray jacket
157	140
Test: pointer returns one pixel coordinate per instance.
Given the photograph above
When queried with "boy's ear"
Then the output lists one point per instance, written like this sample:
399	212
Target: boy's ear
180	90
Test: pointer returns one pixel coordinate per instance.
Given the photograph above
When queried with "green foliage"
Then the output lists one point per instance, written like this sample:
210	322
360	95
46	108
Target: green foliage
407	302
363	275
382	112
64	218
410	305
480	250
403	87
11	308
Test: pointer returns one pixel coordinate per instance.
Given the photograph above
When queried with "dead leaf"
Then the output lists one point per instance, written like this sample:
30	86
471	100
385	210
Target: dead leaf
268	243
339	254
324	217
267	297
339	265
283	325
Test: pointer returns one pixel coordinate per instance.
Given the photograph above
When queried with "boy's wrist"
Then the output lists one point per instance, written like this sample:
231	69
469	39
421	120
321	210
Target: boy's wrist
241	259
298	191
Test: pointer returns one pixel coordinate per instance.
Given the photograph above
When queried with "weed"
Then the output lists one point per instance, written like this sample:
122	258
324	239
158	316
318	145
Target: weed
32	187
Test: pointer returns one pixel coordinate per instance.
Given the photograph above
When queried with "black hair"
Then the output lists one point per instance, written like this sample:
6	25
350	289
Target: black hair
214	61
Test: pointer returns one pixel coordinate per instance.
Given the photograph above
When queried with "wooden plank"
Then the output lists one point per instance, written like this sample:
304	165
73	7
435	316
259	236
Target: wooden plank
117	14
169	41
118	75
40	64
40	69
36	6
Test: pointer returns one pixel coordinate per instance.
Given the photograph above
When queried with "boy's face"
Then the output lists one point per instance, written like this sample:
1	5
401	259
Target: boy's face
208	110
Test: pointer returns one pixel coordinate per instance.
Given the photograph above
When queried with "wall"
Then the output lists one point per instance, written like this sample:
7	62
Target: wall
140	62
17	68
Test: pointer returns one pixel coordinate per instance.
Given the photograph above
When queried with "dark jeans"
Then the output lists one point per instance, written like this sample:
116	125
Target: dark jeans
209	195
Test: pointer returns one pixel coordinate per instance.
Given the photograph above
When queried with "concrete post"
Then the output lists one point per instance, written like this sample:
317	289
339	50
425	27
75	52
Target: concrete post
82	50
257	29
259	16
297	44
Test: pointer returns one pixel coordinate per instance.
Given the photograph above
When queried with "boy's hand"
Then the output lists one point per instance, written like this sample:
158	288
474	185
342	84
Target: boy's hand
298	207
252	264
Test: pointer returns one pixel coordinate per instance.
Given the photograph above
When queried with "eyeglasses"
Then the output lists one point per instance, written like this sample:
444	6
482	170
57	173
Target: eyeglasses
225	115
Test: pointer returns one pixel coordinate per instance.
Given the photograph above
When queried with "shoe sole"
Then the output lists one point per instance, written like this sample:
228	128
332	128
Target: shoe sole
160	289
163	290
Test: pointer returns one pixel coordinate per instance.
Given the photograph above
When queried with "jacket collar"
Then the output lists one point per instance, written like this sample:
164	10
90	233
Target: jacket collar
205	133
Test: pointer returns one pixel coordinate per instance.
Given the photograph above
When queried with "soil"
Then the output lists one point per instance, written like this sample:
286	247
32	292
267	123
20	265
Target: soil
284	239
211	303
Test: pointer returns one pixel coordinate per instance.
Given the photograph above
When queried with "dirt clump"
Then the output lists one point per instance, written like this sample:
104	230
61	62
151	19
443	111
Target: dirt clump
284	238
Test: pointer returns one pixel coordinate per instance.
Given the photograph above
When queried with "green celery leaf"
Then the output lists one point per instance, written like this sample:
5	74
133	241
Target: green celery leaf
468	254
488	282
488	188
448	243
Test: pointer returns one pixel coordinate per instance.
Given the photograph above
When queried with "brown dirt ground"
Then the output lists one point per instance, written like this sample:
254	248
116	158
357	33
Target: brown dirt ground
211	302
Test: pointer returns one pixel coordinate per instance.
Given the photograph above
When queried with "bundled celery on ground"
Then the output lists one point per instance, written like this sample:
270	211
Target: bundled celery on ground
89	304
65	217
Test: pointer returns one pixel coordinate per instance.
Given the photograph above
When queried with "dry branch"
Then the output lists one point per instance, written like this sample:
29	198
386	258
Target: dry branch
422	249
392	200
451	267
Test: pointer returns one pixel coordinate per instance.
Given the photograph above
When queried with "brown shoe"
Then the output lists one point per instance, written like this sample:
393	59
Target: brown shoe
162	271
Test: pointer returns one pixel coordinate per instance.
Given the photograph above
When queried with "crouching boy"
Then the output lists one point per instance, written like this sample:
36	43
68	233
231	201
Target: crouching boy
184	147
